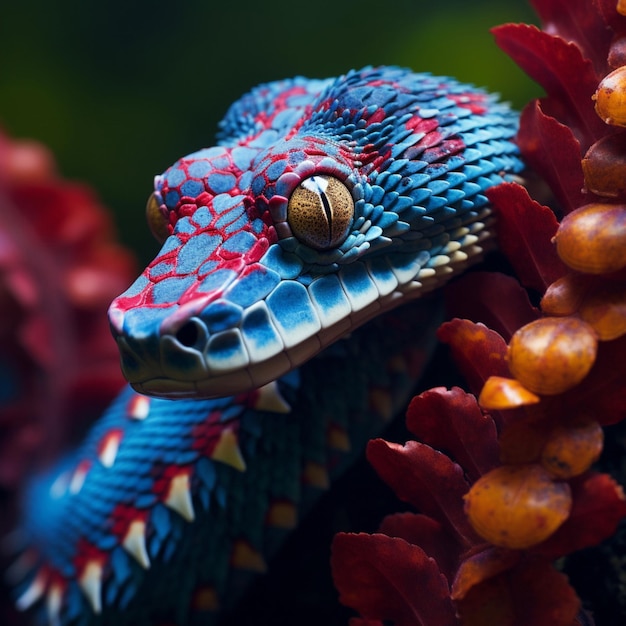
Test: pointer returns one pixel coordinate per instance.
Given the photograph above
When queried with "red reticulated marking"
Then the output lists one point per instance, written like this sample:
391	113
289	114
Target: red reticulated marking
87	553
444	150
207	433
317	147
192	294
475	102
421	125
203	199
138	407
432	138
432	147
306	113
122	517
234	260
258	249
279	104
378	116
47	581
79	475
371	156
56	580
381	82
109	443
187	209
165	475
187	204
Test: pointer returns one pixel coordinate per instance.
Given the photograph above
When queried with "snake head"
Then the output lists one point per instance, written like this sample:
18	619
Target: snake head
324	203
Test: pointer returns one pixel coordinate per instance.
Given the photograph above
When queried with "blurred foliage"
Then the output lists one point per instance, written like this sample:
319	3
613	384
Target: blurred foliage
119	90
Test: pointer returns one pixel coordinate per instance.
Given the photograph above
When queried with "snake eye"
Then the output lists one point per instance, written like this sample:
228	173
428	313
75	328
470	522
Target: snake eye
157	221
320	212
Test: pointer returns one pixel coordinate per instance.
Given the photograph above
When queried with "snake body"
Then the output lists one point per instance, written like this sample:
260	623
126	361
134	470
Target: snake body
266	341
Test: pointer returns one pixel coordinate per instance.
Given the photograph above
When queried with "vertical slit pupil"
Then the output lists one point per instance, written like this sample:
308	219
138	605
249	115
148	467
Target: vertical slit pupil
328	211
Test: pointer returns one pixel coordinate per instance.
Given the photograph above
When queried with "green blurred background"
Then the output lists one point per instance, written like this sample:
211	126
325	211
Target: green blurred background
120	89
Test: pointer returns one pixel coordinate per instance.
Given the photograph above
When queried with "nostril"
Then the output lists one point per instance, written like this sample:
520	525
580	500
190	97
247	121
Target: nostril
187	334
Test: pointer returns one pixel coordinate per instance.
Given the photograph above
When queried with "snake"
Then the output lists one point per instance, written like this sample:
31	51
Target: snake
284	321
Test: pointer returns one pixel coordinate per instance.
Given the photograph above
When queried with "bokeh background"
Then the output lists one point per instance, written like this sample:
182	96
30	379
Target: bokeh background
120	89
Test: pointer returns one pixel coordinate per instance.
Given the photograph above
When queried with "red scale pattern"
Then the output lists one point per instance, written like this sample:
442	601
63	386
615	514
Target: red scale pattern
86	554
475	102
123	516
207	433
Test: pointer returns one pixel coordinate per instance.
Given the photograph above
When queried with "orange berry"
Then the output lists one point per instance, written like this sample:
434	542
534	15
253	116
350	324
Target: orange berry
565	295
617	51
605	311
610	97
604	166
552	354
517	506
505	393
571	450
592	239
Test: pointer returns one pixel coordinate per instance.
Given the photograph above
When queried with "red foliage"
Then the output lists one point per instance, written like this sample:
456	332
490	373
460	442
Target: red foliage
451	421
428	534
525	231
379	575
550	147
427	479
458	442
477	351
375	576
486	287
59	268
574	21
560	68
532	592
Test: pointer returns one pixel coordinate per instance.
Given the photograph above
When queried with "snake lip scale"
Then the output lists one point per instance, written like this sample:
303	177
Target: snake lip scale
280	326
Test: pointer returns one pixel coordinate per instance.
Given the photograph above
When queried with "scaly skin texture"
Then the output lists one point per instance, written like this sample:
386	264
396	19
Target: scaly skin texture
325	206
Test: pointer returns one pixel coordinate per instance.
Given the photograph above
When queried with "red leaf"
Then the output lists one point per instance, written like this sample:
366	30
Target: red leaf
525	231
608	10
495	299
482	566
559	67
598	507
576	21
429	535
477	351
427	479
602	394
60	266
551	149
385	578
533	592
452	422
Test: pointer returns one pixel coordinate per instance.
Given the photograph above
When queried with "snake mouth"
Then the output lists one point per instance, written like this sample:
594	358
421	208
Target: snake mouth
207	380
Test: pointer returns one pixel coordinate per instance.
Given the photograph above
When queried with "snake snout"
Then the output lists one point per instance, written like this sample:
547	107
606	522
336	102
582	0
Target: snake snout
189	334
166	349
